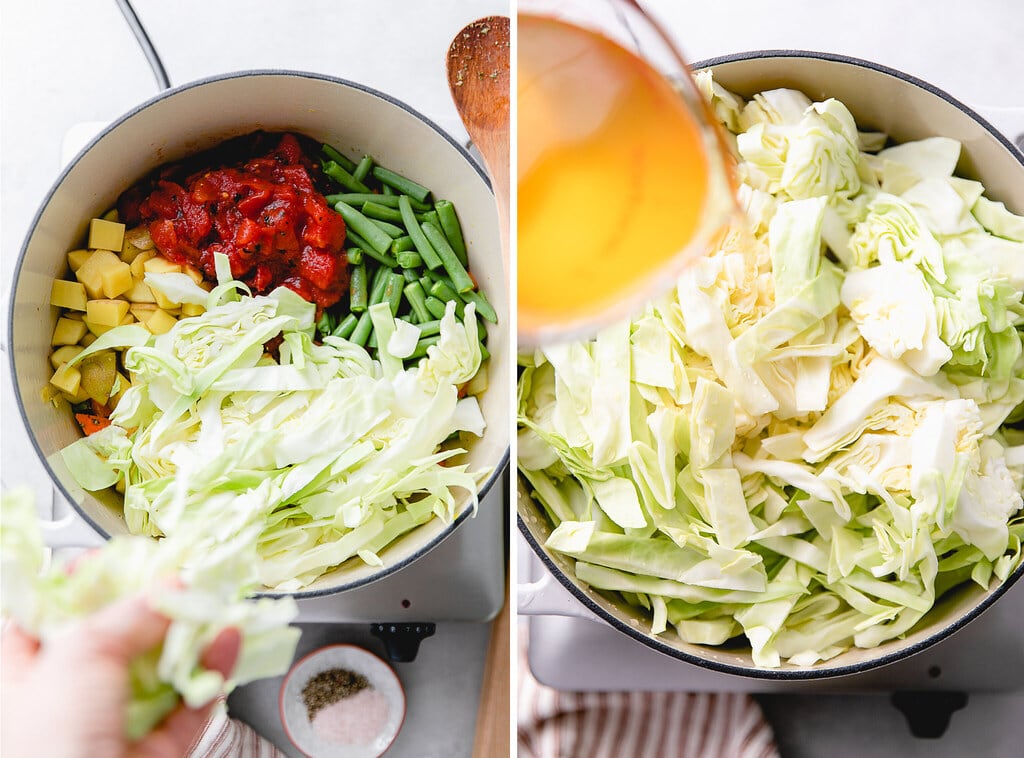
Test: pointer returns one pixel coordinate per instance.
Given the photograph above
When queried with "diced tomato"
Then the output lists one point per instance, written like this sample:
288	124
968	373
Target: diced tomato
248	235
252	204
289	151
197	221
163	235
263	277
318	267
261	211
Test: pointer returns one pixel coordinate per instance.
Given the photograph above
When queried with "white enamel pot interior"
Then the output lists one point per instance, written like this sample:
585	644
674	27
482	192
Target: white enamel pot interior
906	109
197	116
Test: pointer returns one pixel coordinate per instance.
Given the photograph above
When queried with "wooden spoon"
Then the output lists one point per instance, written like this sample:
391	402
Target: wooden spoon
478	76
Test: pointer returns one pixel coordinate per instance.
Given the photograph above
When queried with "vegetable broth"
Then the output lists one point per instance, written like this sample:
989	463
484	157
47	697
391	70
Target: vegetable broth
612	173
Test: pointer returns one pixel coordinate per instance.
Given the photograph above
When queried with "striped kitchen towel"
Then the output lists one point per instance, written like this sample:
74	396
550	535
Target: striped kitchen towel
556	724
226	737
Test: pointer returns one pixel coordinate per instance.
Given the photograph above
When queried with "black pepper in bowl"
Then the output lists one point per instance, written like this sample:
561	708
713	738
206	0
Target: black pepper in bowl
330	686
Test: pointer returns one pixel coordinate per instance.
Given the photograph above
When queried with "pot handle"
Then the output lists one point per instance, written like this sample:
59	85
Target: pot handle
546	597
70	531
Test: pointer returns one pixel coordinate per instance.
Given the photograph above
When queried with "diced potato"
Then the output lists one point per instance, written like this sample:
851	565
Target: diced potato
98	372
106	312
91	272
128	319
87	339
67	379
97	330
77	398
129	253
160	265
142	311
116	280
105	234
191	309
77	257
140	292
160	322
138	271
135	242
111	215
162	300
139	238
194	274
67	332
63	354
73	315
120	485
70	295
120	387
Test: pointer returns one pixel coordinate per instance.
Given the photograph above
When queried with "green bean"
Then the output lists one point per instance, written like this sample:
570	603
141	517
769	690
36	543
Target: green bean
428	328
430	216
393	292
433	326
422	345
409	259
364	227
357	289
343	177
452	229
380	212
460	278
362	329
346	327
326	324
435	306
368	252
418	301
444	293
484	352
484	308
359	198
355	254
387	190
423	247
402	244
394	232
363	168
342	160
384	213
401	184
410	276
380	281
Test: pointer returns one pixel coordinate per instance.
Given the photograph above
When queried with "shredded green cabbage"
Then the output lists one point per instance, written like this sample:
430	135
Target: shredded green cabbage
806	442
43	597
334	454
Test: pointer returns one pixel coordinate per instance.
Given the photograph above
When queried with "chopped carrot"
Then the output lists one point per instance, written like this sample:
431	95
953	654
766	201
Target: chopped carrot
91	424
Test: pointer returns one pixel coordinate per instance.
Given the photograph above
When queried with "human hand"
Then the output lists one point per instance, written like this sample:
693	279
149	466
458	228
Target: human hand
68	698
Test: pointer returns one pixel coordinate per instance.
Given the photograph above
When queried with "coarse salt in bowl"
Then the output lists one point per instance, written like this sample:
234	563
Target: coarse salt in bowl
342	700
